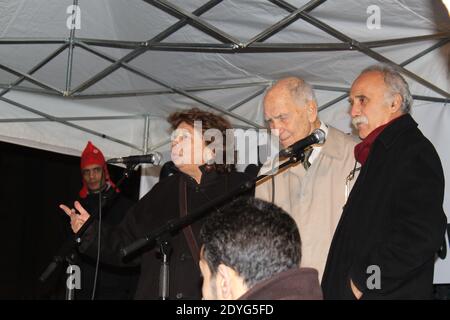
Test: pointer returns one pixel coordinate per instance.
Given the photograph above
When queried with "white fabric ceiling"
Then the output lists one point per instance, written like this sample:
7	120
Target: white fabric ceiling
328	44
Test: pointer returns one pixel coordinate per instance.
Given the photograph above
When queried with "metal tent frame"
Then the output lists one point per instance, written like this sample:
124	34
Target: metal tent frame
228	45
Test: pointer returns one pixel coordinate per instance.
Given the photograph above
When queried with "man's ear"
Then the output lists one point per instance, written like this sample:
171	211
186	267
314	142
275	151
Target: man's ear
224	282
396	103
311	111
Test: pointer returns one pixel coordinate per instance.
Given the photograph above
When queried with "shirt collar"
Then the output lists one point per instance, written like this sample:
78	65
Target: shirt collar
209	175
317	148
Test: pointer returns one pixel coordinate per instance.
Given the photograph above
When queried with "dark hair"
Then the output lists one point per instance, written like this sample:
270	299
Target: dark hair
209	120
252	236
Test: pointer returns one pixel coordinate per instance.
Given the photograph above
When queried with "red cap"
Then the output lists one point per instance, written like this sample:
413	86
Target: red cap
92	155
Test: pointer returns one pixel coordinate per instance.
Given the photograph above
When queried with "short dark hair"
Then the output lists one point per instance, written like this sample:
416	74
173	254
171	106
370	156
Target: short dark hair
252	236
209	120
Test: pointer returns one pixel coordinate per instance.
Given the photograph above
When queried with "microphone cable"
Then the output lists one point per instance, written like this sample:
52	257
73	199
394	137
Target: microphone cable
97	264
273	179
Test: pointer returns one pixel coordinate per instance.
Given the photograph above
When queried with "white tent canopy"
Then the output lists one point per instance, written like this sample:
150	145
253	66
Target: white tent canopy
126	65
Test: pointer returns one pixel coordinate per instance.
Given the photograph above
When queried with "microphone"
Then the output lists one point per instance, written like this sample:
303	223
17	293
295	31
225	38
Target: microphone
153	158
317	137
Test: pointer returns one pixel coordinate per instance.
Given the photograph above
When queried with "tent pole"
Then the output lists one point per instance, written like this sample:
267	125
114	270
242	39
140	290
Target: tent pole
137	52
359	46
253	48
404	63
194	20
69	124
8	87
16	120
186	94
225	48
166	91
330	103
34	69
30	78
424	52
71	47
146	134
261	47
247	99
280	25
392	42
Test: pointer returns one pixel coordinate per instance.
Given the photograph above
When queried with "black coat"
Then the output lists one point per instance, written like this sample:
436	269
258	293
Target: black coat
158	206
113	283
292	284
393	219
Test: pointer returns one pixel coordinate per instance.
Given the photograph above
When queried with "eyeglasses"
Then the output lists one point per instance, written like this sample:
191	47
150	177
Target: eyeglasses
87	172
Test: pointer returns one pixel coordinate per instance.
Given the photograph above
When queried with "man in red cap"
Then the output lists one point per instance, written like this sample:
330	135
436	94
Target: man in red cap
112	282
94	171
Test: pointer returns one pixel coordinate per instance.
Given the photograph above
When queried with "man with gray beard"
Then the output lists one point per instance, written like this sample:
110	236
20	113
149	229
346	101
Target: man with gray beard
393	223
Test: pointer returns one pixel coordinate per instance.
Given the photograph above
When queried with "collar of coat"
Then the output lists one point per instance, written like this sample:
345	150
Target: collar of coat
209	175
292	284
396	129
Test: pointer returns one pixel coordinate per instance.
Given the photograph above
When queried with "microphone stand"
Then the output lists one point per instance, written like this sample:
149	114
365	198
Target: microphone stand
67	251
165	249
160	235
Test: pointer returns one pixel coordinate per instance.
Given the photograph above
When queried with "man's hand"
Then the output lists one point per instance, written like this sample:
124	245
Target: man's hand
76	220
358	294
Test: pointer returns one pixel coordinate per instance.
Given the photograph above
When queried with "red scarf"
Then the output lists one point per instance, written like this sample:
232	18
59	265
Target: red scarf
362	149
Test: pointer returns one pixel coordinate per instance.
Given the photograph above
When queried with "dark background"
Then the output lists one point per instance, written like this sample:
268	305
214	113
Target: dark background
33	184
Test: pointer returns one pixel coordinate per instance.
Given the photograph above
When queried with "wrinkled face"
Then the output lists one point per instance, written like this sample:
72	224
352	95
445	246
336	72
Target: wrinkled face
187	147
209	286
93	177
292	122
371	105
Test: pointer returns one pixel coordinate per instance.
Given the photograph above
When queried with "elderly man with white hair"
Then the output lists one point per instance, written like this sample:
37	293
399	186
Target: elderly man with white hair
312	192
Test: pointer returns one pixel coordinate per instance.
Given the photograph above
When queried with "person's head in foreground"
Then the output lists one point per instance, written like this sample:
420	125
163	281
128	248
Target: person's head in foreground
378	96
252	250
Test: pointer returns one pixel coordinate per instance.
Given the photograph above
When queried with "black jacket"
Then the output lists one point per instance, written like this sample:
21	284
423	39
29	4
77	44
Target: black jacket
113	283
293	284
158	206
393	220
